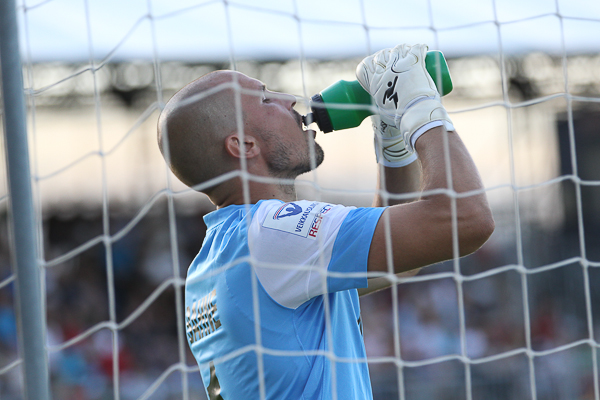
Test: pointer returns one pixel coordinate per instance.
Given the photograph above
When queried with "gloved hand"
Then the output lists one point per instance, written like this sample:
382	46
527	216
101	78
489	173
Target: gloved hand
403	91
390	149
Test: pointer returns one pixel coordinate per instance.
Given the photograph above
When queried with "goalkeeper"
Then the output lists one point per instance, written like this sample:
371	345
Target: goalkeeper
272	307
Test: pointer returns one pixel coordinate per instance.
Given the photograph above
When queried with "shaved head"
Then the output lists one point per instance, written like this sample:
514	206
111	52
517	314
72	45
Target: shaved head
200	140
193	126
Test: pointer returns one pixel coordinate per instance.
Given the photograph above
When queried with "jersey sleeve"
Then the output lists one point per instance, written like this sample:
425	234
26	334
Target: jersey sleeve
303	249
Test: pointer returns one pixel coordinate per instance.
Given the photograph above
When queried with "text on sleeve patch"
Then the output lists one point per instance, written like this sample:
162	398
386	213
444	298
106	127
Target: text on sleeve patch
302	218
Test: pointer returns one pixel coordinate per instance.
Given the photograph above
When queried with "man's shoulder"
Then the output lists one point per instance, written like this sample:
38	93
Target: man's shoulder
232	212
301	217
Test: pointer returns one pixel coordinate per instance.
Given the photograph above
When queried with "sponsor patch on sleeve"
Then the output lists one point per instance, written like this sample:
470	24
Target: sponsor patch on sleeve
302	218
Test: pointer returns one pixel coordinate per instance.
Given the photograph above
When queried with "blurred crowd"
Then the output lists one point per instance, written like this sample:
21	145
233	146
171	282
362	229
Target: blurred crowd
426	313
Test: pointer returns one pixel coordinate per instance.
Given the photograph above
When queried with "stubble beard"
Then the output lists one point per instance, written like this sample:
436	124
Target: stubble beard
280	164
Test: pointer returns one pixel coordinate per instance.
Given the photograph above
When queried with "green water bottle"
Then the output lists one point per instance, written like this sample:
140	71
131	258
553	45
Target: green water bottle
329	117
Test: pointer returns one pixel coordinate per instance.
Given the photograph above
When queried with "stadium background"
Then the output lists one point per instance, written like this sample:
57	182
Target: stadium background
510	107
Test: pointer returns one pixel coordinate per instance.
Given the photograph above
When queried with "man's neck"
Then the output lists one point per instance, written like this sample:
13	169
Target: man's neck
238	193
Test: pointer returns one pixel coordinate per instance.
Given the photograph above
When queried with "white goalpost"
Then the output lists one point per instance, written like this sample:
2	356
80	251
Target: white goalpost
109	231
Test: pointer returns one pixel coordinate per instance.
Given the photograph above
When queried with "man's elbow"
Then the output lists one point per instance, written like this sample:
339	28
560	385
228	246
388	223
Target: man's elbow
477	229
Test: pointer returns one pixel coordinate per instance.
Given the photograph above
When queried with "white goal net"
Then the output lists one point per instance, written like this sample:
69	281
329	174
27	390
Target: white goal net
518	319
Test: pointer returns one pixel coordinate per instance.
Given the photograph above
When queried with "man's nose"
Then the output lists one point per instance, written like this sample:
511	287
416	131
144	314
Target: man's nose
288	100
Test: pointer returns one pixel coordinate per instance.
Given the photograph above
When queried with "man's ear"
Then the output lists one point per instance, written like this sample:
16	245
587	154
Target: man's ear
236	148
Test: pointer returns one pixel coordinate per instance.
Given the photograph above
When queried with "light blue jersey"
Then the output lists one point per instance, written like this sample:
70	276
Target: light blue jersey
271	301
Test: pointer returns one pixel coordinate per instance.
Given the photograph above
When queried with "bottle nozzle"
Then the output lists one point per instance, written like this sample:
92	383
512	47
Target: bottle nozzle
307	119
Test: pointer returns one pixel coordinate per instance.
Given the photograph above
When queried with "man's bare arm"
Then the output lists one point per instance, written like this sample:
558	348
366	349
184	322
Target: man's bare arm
421	231
394	181
398	181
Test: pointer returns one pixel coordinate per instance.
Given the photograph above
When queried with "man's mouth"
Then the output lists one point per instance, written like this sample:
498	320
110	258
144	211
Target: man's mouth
301	125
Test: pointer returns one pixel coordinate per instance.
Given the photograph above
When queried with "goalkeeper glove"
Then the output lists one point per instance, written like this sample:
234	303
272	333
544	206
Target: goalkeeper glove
403	91
390	149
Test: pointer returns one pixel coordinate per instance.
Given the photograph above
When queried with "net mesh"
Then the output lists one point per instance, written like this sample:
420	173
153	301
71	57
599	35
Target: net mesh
116	230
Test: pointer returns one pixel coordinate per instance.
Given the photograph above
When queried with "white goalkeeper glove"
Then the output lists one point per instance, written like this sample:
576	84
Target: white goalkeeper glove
403	91
390	149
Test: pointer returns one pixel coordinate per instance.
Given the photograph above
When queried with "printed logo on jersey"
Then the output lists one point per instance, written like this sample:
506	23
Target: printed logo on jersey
287	210
202	319
304	220
316	224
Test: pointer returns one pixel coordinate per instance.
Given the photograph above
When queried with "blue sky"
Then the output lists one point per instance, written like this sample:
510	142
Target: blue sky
209	30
